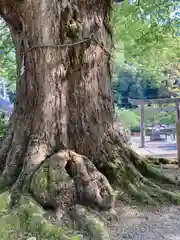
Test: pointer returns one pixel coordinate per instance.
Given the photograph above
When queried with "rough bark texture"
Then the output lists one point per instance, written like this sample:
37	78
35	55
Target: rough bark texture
63	115
63	97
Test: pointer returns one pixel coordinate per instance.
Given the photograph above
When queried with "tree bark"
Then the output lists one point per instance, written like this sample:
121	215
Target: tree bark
64	98
64	101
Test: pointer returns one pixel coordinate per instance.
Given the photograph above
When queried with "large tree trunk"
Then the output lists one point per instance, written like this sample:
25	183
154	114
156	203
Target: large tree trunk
63	98
64	103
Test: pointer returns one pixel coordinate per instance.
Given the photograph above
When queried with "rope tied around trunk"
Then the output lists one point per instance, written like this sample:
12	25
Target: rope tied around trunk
71	44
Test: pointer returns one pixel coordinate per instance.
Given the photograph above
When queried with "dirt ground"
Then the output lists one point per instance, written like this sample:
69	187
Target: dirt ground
148	223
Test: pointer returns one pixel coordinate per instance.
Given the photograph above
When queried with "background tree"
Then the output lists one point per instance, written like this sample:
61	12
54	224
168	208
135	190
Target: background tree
146	38
7	56
131	83
148	31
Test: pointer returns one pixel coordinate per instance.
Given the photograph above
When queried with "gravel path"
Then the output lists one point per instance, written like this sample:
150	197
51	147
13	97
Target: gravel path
153	224
148	224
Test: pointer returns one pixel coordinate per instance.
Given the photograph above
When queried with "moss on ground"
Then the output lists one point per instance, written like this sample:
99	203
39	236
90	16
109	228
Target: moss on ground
161	161
27	221
90	223
145	184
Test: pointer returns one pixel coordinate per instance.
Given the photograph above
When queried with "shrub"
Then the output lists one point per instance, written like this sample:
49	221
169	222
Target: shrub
135	129
127	117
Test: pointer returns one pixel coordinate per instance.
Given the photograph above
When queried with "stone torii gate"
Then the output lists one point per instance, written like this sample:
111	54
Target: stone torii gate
142	102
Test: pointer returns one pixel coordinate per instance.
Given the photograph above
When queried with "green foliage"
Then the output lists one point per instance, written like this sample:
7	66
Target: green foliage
7	56
127	117
130	83
155	114
148	33
131	118
135	129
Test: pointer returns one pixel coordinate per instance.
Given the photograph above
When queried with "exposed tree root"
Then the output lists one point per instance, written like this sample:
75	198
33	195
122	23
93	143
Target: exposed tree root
149	187
35	155
69	178
132	175
66	178
77	176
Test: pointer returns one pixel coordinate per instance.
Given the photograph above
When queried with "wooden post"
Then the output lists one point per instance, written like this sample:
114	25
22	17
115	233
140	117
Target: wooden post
178	132
142	127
